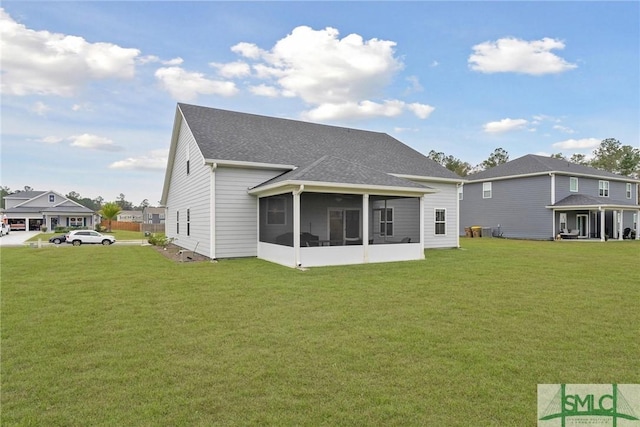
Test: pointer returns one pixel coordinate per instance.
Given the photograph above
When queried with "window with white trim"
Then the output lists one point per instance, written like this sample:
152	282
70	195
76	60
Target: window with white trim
629	190
177	222
603	188
52	198
386	222
573	184
276	212
486	190
188	222
440	221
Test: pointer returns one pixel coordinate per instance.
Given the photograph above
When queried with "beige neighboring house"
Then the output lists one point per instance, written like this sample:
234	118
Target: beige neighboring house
32	210
129	216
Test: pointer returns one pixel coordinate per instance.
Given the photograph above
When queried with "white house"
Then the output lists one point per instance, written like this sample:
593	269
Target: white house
31	210
302	194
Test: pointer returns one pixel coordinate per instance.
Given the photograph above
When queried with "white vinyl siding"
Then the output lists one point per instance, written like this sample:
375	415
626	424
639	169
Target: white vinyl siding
189	192
446	198
486	190
237	211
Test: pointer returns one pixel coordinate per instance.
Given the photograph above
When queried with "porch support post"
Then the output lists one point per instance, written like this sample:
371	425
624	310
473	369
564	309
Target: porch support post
296	225
365	226
620	224
422	236
601	225
553	225
637	224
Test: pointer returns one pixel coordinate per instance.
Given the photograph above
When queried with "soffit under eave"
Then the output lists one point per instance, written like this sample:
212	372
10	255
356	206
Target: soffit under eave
333	188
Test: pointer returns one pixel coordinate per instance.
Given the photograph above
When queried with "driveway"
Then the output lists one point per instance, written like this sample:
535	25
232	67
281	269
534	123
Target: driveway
17	238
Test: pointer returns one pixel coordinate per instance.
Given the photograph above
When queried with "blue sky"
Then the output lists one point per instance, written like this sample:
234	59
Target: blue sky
89	89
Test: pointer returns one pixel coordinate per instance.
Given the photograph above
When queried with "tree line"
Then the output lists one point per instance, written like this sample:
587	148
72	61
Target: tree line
610	156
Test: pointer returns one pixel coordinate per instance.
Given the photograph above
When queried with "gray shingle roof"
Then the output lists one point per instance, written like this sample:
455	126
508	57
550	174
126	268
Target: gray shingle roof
331	169
232	136
584	200
531	164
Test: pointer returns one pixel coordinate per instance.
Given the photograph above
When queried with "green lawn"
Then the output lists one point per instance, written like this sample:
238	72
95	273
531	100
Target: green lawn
121	335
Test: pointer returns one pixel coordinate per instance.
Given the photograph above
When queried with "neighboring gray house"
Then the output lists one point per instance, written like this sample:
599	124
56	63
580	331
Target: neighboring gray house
537	197
302	194
31	210
153	215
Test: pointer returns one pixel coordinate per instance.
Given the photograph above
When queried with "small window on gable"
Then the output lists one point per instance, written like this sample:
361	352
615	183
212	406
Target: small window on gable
603	188
629	190
486	190
52	198
573	184
276	214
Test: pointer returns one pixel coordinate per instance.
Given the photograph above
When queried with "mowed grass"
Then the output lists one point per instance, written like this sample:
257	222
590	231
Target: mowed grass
96	335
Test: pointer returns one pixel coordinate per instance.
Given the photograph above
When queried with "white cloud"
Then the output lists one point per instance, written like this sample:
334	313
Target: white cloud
578	144
365	109
51	140
519	56
174	61
185	85
340	78
421	110
44	63
155	161
232	69
505	125
40	108
564	129
264	90
94	142
248	50
415	85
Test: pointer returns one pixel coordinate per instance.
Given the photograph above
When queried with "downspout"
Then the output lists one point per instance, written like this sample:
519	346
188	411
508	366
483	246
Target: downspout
296	225
458	187
553	201
212	209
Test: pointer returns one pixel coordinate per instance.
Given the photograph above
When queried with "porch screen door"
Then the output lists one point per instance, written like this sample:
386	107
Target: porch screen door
582	221
344	225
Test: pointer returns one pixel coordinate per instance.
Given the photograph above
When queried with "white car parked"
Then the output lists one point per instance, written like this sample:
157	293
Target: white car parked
78	237
4	229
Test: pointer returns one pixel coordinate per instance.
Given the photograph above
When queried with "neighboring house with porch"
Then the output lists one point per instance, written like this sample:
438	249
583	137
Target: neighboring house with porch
32	210
538	197
302	194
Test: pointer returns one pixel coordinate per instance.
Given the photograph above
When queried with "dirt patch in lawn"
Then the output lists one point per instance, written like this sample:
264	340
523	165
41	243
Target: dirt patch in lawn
176	253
